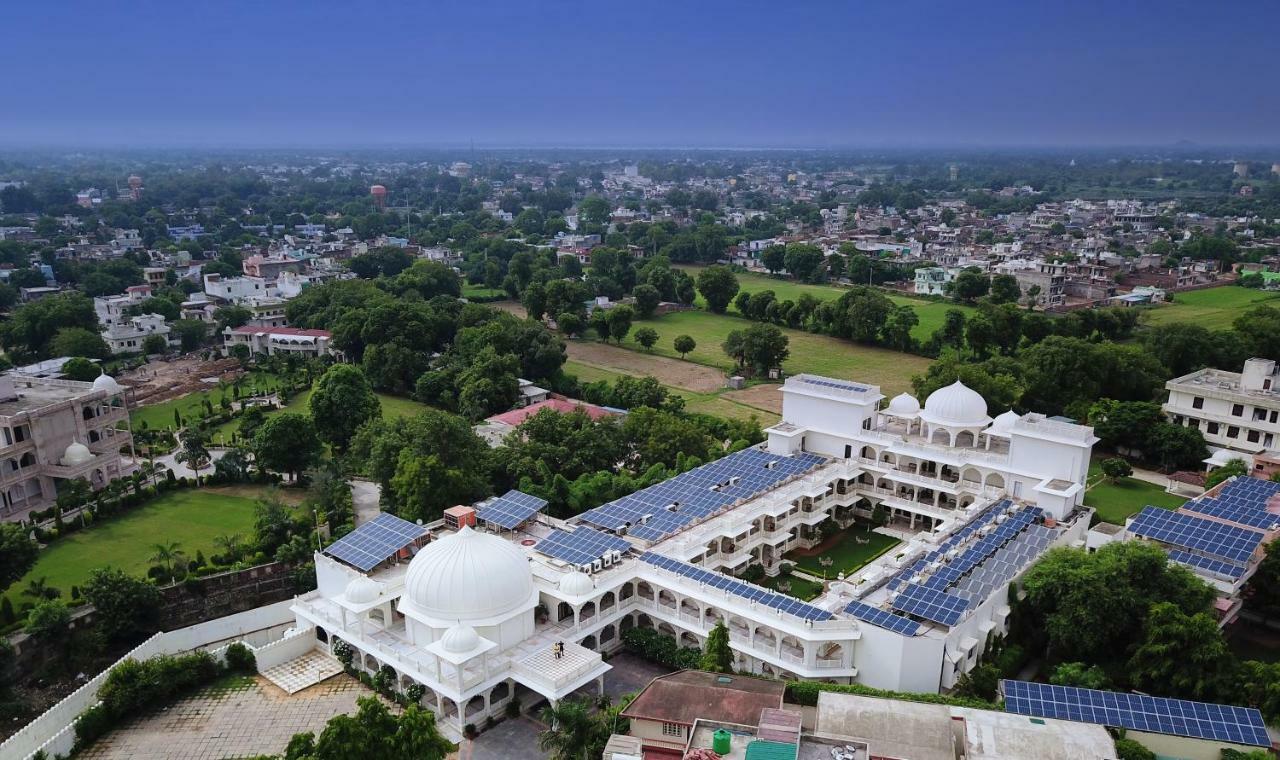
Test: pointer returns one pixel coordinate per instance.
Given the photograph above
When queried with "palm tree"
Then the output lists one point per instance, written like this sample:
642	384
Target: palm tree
40	590
230	545
167	555
574	731
194	451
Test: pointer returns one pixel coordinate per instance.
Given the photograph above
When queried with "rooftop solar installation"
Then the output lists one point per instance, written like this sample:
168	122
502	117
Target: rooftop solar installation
1217	566
510	509
375	541
1137	712
1197	533
1243	500
785	604
883	619
661	510
825	382
581	547
931	604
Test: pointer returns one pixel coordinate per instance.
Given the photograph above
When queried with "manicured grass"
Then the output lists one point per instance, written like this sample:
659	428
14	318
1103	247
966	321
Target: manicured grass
700	403
846	553
192	518
1128	496
818	354
801	588
392	406
480	291
160	416
1214	308
931	313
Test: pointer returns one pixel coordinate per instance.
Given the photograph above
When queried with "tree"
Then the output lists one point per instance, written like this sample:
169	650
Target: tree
31	327
683	344
646	337
1131	749
1264	586
570	323
760	346
1081	675
156	344
1115	468
718	285
39	589
373	732
168	556
191	333
1182	655
1177	447
1033	297
49	622
1005	289
717	657
980	683
287	443
342	401
620	322
126	607
77	341
80	368
17	553
774	258
1259	328
574	731
804	261
231	316
195	449
647	299
970	285
1233	468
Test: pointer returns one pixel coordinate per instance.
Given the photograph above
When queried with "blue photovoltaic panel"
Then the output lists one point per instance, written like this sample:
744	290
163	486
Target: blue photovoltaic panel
930	604
510	509
660	510
1138	712
786	604
883	619
375	541
1209	536
1225	569
525	500
1243	501
583	546
837	384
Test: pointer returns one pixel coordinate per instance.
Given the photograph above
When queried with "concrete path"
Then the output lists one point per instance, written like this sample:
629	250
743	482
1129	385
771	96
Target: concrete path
366	496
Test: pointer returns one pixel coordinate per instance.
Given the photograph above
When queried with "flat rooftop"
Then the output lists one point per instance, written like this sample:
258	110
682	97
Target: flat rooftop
37	393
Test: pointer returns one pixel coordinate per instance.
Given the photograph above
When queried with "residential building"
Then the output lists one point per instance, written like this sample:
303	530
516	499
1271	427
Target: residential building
236	289
932	281
1235	411
278	340
111	309
664	714
127	335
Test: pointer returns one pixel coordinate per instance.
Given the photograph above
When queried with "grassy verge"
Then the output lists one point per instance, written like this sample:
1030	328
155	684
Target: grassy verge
702	403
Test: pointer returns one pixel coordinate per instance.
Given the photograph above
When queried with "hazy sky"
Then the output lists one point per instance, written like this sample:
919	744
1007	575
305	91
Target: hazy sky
692	73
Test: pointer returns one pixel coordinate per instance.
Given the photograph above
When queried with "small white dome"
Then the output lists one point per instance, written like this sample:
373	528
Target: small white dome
362	590
107	383
459	639
1004	423
468	575
904	405
956	405
577	583
76	453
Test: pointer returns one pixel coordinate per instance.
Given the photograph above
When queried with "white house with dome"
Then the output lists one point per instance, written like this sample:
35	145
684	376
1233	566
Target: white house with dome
518	604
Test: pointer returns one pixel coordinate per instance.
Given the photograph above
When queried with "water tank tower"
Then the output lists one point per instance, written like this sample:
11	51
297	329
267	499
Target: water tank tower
379	194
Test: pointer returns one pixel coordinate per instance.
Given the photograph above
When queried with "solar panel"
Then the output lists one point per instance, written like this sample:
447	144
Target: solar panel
375	541
785	604
825	382
882	618
510	509
1190	532
1225	569
1239	508
583	546
1178	717
930	604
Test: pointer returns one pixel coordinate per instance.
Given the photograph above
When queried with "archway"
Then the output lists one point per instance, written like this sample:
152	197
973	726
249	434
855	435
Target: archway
966	438
322	635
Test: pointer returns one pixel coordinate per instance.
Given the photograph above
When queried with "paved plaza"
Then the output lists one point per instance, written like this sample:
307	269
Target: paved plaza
304	672
254	719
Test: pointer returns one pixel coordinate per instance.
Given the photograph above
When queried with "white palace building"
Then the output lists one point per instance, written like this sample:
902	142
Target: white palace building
475	607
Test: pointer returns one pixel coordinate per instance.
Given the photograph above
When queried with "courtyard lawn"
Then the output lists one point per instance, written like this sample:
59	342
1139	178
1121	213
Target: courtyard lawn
846	553
191	518
1128	496
714	404
1214	308
801	588
160	416
818	354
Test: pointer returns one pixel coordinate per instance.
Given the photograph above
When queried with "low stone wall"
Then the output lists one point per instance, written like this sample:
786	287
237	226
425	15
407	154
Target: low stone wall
213	596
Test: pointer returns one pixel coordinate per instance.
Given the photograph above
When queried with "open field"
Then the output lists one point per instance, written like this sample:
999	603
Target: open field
192	518
931	313
719	404
1127	496
1214	308
845	553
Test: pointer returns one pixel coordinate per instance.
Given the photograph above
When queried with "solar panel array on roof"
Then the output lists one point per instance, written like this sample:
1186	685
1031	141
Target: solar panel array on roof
786	604
824	382
375	541
1243	501
1137	712
883	618
581	547
660	510
1209	537
1225	569
931	604
982	518
510	509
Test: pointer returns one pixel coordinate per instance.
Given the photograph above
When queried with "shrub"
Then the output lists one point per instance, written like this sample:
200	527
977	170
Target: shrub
415	693
133	687
662	649
240	659
512	710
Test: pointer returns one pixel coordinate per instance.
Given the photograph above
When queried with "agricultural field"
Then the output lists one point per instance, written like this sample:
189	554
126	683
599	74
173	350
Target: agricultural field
1214	308
191	518
716	403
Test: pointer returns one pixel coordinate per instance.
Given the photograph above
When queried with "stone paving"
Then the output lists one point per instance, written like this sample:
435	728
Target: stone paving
303	672
253	720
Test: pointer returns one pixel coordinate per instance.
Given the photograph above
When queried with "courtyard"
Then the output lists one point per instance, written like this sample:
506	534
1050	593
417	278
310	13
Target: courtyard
845	552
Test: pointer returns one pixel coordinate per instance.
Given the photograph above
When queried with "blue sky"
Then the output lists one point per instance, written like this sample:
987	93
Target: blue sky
695	73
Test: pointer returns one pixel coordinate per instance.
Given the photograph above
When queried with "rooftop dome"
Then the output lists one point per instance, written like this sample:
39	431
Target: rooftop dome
1003	423
76	453
468	575
460	638
956	405
362	590
577	583
107	383
904	405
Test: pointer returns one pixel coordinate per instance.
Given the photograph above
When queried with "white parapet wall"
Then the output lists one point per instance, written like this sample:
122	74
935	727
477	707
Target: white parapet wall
53	731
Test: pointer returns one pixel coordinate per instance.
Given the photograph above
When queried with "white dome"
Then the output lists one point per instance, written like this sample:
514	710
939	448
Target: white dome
1004	423
904	405
460	639
76	453
107	383
468	575
362	590
956	405
577	583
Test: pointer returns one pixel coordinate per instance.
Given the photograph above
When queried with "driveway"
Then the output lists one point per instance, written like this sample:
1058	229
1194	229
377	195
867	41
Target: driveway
512	739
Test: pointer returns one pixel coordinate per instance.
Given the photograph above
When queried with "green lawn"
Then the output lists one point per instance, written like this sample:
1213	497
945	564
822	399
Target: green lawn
930	312
1214	308
191	518
818	354
1127	496
702	403
801	588
158	416
480	291
847	554
392	406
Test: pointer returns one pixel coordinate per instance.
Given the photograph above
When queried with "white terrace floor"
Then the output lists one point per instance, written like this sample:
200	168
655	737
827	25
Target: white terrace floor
302	672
